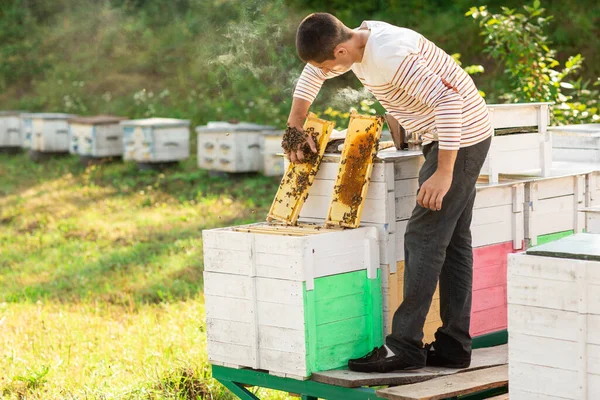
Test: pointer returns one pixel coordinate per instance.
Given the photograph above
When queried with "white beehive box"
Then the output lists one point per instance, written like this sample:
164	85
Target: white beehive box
273	161
576	143
592	219
46	132
593	189
291	300
11	132
97	136
223	146
156	140
554	206
518	153
390	199
554	320
498	214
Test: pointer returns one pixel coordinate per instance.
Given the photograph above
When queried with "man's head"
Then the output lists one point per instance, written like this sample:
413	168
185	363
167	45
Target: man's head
322	41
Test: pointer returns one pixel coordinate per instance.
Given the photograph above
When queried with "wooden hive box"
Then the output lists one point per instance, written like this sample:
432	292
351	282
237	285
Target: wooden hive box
46	132
553	207
592	219
390	199
97	136
592	196
223	146
517	153
156	140
273	164
554	320
11	129
576	143
291	300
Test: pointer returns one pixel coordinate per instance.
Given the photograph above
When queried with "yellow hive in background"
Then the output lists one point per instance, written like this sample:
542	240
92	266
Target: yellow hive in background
356	166
294	186
394	296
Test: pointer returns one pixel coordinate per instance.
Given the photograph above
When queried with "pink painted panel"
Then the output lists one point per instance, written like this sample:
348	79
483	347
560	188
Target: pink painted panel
489	309
488	321
491	255
490	276
485	299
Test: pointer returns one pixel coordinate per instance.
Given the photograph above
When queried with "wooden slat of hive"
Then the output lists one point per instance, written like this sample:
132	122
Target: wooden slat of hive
356	166
294	186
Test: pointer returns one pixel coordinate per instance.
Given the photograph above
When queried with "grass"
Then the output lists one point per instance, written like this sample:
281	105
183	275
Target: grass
101	277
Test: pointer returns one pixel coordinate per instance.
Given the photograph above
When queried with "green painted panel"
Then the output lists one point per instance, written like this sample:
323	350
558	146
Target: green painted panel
343	318
340	308
337	356
349	330
334	286
551	237
375	297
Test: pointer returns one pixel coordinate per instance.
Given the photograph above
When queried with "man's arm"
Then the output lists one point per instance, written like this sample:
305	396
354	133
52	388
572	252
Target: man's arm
308	87
298	114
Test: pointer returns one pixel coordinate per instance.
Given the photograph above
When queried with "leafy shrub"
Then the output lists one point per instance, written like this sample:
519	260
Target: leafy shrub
520	42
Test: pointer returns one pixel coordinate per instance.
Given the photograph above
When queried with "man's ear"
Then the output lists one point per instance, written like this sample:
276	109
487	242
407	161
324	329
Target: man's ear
340	51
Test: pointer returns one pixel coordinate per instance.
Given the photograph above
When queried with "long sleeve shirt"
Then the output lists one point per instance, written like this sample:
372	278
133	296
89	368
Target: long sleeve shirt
416	82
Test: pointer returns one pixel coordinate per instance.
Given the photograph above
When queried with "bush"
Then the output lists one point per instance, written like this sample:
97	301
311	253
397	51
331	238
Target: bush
520	42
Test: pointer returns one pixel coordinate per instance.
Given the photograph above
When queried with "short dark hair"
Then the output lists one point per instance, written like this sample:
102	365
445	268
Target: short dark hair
318	35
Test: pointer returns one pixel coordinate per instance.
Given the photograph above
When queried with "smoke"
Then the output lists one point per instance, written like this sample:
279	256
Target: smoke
348	97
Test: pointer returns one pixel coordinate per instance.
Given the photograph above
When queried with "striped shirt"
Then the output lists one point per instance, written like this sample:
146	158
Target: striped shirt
418	83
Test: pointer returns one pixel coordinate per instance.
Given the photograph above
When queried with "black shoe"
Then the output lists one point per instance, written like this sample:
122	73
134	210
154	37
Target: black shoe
437	360
376	361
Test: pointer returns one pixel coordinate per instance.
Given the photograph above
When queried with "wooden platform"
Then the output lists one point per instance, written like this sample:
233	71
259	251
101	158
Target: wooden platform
482	358
449	386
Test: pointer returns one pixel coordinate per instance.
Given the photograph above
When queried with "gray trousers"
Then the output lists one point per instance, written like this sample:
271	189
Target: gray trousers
437	247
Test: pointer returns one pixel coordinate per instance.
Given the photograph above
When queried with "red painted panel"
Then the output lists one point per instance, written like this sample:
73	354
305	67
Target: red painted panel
485	299
491	255
488	321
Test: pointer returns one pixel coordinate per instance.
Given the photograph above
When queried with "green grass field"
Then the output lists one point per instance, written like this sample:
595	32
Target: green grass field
101	277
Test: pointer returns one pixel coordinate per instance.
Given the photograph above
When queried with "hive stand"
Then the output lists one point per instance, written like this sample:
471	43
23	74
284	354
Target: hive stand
481	384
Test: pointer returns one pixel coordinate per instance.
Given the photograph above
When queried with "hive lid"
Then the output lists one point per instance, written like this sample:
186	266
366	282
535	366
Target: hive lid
588	129
222	127
157	122
8	113
582	246
98	120
48	115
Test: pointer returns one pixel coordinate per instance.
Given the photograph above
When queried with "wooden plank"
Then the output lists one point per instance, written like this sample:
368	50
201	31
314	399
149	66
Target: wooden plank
481	358
501	397
356	165
297	180
449	386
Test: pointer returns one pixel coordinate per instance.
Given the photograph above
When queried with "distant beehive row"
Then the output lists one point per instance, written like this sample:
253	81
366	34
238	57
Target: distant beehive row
222	146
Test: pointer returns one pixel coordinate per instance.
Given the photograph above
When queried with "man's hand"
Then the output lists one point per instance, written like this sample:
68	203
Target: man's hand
294	144
432	192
